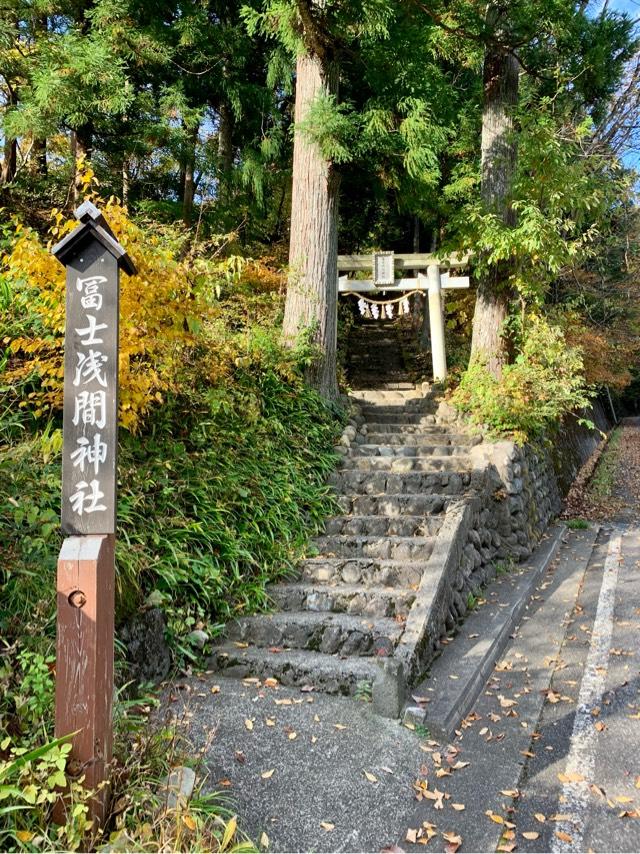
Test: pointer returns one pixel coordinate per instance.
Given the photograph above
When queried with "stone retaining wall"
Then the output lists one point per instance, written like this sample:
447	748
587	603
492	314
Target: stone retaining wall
515	492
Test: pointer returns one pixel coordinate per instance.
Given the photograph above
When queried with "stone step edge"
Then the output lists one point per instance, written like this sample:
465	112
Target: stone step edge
383	626
319	587
475	658
387	692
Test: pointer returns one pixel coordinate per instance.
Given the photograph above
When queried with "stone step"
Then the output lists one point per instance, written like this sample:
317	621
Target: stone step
435	435
393	505
413	482
403	464
343	599
403	428
398	416
296	668
410	406
366	572
382	450
385	548
384	526
319	632
383	396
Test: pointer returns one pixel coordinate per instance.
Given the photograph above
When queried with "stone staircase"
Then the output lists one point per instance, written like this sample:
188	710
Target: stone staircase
339	623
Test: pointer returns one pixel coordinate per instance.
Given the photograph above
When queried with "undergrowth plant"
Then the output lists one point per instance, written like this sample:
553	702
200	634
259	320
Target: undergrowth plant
544	383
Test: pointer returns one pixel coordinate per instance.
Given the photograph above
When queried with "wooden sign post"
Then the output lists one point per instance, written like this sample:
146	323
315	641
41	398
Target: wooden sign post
86	568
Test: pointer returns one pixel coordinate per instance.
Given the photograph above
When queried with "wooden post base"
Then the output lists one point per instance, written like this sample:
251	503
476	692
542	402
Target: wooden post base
84	661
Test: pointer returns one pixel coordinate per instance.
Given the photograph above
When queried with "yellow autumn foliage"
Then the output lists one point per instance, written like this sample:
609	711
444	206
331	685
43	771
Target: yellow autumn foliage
159	314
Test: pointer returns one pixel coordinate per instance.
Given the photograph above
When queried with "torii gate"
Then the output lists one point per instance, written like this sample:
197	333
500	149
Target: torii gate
383	266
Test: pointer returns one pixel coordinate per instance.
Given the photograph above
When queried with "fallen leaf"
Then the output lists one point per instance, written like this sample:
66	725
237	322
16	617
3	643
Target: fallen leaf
249	724
240	645
270	722
215	689
459	766
316	718
225	782
412	835
271	682
240	757
457	807
339	726
564	836
370	777
292	736
188	821
560	816
510	793
623	799
541	818
600	726
453	840
267	775
326	825
264	840
494	817
25	835
314	738
286	701
571	777
530	834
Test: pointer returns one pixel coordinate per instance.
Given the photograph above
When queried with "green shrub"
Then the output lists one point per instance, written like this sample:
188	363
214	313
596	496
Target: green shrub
545	382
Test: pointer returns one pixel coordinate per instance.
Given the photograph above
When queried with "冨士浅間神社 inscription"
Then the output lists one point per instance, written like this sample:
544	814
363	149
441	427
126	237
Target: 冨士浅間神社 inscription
90	421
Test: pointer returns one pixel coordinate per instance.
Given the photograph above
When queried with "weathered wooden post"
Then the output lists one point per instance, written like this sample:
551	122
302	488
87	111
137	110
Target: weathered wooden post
86	568
436	323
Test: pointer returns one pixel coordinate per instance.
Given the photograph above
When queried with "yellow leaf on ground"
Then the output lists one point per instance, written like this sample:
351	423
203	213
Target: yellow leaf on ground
457	807
270	722
266	775
339	726
571	777
293	736
564	836
412	835
370	777
541	818
530	834
326	825
215	689
494	817
188	821
264	840
249	724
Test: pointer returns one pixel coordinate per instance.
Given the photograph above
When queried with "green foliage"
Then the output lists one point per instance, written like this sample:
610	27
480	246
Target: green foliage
577	524
545	383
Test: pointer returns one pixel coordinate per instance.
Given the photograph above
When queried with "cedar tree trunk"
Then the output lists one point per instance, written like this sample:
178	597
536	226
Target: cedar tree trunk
312	292
500	80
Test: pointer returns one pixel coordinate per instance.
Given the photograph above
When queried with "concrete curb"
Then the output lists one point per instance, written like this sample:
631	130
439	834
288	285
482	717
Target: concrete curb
471	659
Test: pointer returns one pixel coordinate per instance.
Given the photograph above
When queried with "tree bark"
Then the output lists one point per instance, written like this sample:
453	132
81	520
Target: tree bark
39	157
312	293
225	147
189	186
500	81
9	162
